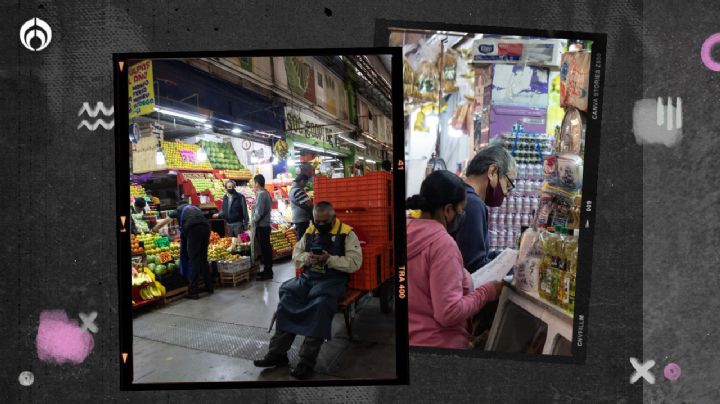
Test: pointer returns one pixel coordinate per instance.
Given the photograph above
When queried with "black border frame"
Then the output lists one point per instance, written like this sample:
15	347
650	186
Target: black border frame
122	170
383	29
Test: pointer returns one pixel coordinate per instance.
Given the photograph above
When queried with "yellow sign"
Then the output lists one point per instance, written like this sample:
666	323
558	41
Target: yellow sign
141	91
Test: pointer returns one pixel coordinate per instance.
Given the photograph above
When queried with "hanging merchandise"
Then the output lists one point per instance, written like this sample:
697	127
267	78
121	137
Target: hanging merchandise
527	272
575	80
281	149
572	133
570	171
409	89
447	64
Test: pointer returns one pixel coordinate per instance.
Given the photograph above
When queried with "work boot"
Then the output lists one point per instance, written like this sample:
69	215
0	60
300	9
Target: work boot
271	361
302	371
264	275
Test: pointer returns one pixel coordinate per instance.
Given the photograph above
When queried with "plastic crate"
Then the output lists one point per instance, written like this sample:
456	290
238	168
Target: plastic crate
370	191
388	262
376	224
370	274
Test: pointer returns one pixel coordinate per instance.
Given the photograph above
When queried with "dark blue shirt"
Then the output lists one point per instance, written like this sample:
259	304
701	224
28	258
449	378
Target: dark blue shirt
472	238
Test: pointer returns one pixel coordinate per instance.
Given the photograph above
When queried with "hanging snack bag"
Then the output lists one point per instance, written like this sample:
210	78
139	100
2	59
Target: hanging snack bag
527	274
560	207
542	216
569	171
550	169
572	132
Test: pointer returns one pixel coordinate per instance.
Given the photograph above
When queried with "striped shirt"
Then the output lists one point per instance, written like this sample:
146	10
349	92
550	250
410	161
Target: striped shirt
298	197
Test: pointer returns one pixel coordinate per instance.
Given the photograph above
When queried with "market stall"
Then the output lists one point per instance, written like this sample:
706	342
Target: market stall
464	92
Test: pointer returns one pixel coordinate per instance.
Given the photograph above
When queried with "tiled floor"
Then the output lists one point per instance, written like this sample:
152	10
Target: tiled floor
217	337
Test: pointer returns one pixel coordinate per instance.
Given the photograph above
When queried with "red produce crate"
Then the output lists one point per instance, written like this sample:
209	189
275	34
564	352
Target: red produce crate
375	224
370	191
369	276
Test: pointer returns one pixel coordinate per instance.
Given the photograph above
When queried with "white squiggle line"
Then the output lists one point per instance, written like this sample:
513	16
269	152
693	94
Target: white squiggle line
94	125
98	107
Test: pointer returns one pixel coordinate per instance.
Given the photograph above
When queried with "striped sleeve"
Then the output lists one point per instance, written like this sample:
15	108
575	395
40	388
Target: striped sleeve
299	196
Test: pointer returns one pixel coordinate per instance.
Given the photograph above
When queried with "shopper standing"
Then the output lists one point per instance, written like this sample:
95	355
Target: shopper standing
301	205
194	242
261	223
490	178
440	291
234	210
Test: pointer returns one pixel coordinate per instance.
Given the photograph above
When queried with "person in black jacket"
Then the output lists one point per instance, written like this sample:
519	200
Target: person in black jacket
194	242
234	210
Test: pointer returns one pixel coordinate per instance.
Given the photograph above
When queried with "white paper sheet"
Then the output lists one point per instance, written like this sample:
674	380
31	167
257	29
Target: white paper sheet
496	269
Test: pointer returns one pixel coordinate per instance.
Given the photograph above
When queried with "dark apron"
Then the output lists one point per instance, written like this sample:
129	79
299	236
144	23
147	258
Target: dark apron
185	269
308	303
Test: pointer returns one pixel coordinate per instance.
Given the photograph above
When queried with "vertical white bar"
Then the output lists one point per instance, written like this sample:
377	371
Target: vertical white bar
660	112
678	113
669	111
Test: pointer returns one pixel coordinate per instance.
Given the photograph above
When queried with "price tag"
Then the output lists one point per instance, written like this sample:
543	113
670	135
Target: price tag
188	156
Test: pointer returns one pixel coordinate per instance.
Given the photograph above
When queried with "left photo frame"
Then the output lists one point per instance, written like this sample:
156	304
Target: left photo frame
260	218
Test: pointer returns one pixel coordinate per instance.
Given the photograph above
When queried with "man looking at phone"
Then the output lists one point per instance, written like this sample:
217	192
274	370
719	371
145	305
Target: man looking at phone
328	252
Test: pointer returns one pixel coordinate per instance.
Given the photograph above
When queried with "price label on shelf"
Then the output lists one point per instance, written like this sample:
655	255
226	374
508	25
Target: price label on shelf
188	156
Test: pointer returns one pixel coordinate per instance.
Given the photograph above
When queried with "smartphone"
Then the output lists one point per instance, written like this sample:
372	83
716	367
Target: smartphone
316	250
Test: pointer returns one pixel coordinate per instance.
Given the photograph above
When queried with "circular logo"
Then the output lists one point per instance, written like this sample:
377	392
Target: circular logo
706	52
26	378
35	34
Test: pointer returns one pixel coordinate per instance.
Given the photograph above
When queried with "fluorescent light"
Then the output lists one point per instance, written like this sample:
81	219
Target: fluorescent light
201	155
358	144
159	158
207	126
361	158
452	132
195	118
432	120
371	161
236	130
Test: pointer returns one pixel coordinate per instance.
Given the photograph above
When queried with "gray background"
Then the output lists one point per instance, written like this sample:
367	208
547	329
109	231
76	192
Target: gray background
59	249
680	228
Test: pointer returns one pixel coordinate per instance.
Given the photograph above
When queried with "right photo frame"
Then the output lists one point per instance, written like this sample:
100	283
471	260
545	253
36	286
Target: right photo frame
502	135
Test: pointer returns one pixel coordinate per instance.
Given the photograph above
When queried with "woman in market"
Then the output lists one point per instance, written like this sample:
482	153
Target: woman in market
441	296
194	242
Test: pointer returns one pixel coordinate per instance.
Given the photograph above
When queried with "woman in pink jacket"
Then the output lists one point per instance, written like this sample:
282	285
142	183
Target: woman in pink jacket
441	299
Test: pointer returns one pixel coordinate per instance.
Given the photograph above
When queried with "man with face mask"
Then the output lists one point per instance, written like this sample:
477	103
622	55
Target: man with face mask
234	210
328	252
490	177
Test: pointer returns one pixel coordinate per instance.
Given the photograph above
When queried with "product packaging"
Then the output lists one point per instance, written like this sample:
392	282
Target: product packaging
570	171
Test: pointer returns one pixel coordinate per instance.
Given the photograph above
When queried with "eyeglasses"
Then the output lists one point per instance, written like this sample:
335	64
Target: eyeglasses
512	184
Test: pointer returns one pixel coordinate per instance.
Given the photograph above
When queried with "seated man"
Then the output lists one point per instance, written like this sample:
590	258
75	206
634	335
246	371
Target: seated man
328	252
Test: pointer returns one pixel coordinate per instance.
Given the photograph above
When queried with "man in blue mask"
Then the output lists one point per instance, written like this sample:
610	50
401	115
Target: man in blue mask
490	177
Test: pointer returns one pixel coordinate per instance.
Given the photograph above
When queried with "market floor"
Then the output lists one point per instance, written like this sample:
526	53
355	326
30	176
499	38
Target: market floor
217	337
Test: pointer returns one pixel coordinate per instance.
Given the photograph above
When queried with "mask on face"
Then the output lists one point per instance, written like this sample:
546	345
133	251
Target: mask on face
231	191
494	196
456	224
324	228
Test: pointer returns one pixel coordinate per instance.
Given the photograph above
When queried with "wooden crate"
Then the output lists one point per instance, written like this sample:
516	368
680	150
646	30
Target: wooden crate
176	294
227	279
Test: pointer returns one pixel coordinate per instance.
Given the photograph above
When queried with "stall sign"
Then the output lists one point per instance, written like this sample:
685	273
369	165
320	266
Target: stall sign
141	91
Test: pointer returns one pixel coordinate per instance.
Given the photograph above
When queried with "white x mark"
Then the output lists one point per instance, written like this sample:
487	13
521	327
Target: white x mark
642	371
89	322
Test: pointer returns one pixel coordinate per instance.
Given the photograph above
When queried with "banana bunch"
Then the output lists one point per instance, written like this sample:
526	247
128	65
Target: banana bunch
316	163
281	149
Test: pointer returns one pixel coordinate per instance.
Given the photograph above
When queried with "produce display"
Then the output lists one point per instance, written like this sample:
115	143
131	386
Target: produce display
237	174
221	155
183	156
145	286
280	244
291	236
216	187
135	246
137	191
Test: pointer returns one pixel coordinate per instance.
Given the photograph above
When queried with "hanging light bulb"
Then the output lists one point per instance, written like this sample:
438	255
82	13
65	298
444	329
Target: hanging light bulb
452	132
201	155
159	157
